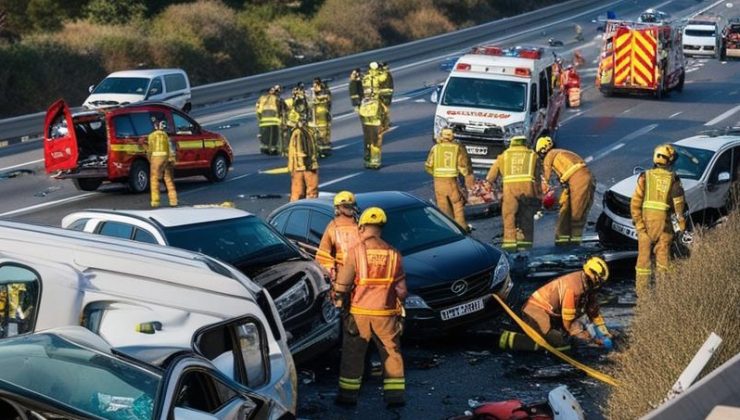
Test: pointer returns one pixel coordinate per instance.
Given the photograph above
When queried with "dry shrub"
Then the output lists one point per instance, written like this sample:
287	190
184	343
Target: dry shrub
353	26
296	39
701	295
118	47
423	23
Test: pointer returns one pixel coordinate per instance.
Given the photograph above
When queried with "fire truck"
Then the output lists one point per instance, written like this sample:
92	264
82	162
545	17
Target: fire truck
639	57
730	42
494	93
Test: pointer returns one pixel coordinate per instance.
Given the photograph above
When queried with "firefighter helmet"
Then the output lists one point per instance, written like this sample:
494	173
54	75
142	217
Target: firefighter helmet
544	145
446	135
344	198
518	141
596	270
373	65
664	155
373	216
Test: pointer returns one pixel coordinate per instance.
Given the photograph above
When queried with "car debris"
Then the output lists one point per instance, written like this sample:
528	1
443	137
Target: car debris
15	173
560	405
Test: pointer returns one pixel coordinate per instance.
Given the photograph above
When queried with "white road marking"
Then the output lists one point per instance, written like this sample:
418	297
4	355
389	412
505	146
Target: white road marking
675	114
240	176
662	4
622	142
722	116
420	101
47	204
344	145
401	99
626	110
391	128
340	179
21	164
571	117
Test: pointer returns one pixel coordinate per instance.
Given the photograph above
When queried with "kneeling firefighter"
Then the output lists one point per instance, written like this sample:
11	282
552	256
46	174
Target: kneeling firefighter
552	310
373	282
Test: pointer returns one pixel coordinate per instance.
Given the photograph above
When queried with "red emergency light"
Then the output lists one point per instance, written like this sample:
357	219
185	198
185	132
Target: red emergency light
488	50
534	54
462	66
521	71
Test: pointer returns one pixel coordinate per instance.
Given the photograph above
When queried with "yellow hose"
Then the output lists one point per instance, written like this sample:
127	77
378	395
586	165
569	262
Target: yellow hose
541	341
276	171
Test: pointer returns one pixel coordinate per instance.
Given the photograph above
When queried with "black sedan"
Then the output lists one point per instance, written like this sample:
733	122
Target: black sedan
450	275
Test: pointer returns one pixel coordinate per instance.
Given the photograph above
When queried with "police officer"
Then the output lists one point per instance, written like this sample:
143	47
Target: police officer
161	163
578	189
303	163
371	116
355	88
658	194
553	310
340	235
518	167
445	162
372	281
321	116
269	116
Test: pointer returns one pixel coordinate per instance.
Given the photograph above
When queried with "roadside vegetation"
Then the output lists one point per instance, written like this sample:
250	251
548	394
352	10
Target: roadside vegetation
57	48
700	296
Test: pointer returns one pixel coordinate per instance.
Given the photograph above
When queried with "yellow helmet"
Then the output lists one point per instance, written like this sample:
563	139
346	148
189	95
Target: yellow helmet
344	198
518	141
373	216
664	155
446	135
544	145
596	270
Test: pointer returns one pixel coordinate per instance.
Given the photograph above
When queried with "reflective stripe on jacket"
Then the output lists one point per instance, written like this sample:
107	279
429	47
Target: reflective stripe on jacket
268	110
564	162
378	279
565	297
302	152
340	236
658	182
519	163
158	144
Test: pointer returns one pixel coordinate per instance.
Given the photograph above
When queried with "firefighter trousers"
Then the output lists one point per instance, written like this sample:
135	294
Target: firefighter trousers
655	241
517	212
575	203
161	168
548	326
304	184
323	138
386	332
373	145
270	139
449	199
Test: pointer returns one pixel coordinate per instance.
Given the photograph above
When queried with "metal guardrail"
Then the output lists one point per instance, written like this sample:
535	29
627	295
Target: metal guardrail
28	127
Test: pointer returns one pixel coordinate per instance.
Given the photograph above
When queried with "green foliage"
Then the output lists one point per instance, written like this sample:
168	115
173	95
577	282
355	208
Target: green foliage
114	11
46	15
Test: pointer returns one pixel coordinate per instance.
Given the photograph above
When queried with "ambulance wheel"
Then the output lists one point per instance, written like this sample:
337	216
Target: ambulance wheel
138	177
87	184
219	168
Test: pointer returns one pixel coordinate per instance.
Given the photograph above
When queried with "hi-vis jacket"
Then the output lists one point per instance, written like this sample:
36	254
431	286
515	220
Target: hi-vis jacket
564	162
567	297
374	269
658	191
340	236
302	152
448	160
518	166
268	110
158	145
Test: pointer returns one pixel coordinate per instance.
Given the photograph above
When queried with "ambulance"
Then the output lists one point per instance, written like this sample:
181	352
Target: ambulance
494	93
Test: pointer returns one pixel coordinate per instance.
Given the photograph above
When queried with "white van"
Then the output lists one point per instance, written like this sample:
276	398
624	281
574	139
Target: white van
135	294
125	87
494	93
701	38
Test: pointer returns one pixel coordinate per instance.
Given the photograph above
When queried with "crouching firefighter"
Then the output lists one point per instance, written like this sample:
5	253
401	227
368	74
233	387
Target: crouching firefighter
554	308
372	285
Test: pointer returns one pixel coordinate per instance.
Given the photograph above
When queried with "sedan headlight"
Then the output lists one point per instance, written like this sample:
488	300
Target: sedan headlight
439	124
295	300
501	272
415	302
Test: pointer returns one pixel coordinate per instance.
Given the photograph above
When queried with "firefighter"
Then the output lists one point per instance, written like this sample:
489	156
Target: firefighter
553	310
371	116
373	285
571	86
340	235
296	108
446	161
161	155
321	116
518	167
578	188
303	163
355	88
385	93
269	116
658	194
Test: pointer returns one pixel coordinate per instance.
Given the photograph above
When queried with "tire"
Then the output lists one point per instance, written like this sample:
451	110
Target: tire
723	54
138	177
681	80
188	106
219	168
87	184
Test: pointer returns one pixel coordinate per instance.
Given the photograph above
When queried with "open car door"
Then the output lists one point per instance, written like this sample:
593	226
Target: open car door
60	140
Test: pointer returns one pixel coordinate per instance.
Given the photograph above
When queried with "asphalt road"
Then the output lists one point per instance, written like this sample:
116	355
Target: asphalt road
613	134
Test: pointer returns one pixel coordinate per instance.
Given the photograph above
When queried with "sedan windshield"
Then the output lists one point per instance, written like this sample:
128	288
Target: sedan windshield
93	382
125	85
501	95
691	162
417	228
239	240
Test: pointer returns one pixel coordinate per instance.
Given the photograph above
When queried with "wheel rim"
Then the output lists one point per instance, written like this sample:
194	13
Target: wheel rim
220	168
141	180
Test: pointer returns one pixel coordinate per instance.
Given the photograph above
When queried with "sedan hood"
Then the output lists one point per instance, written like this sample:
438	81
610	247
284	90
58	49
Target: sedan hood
449	262
626	187
104	100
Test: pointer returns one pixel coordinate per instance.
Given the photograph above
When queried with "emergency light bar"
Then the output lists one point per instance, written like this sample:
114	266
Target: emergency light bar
505	70
533	53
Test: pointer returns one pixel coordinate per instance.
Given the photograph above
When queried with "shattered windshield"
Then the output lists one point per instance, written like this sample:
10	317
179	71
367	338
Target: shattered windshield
503	95
125	85
691	162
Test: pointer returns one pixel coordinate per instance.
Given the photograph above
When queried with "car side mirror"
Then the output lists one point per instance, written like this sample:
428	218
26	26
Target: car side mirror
723	177
91	88
435	94
637	170
153	91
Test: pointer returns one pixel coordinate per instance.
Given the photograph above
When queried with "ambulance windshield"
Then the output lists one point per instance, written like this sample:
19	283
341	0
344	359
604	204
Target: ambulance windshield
503	95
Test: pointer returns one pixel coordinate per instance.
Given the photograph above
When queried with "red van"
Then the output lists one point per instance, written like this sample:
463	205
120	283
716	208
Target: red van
108	145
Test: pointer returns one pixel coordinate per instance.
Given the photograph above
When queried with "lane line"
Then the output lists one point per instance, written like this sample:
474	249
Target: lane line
48	204
675	114
622	142
344	145
340	179
21	164
722	116
579	113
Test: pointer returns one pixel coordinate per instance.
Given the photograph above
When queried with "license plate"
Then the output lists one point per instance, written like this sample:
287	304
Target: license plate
461	310
624	230
475	128
477	150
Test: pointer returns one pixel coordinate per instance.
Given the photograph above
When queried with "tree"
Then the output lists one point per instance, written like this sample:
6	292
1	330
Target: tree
114	11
